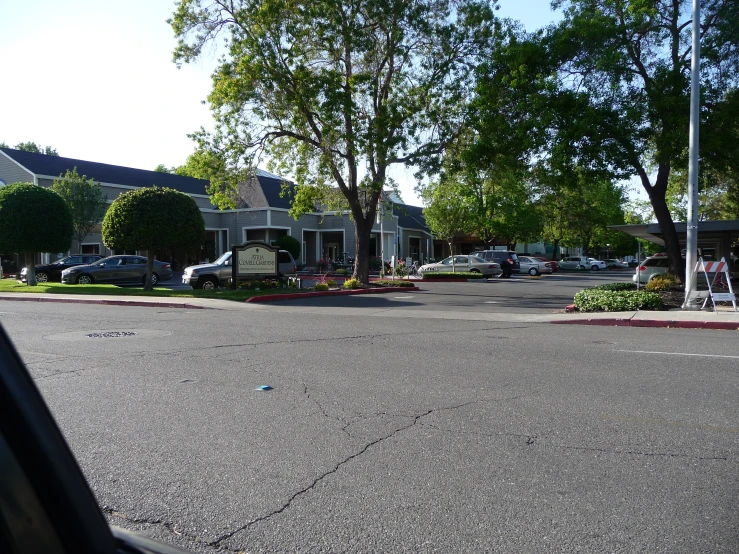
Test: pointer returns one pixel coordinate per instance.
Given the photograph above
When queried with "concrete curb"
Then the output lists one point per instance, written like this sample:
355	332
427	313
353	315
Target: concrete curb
294	296
663	323
107	302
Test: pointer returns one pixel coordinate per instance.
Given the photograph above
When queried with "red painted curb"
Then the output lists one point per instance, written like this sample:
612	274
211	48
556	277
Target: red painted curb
106	302
660	323
314	294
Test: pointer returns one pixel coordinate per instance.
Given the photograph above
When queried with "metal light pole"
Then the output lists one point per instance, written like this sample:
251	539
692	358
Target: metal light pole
691	249
382	237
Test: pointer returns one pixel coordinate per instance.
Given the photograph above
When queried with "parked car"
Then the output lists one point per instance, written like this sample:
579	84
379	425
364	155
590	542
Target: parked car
650	268
219	273
474	264
117	270
534	266
500	257
555	265
634	263
53	271
581	262
613	263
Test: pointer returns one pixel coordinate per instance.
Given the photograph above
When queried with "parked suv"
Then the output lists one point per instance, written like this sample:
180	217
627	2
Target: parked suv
499	257
650	268
211	276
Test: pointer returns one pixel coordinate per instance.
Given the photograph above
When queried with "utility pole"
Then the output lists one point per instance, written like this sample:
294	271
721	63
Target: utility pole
691	249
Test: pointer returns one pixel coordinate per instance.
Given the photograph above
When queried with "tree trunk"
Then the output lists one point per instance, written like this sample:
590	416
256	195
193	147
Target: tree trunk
149	269
362	230
669	235
555	249
657	196
31	269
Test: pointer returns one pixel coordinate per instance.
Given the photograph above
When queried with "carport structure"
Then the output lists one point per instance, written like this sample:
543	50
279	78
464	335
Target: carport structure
715	238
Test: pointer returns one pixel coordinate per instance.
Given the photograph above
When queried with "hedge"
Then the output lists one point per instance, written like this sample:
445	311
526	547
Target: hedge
614	286
451	275
390	283
592	300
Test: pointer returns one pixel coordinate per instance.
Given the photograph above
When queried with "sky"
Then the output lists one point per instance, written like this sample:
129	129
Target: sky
94	79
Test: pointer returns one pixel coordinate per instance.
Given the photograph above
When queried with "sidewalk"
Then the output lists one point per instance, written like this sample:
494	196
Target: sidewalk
724	318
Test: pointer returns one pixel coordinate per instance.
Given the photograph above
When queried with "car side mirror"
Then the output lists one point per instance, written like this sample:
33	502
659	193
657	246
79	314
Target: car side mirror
228	262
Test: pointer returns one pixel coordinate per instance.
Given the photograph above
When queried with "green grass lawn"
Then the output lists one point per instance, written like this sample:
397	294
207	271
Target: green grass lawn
11	285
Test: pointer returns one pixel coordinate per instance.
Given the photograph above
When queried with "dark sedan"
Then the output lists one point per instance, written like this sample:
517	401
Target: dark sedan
53	271
117	270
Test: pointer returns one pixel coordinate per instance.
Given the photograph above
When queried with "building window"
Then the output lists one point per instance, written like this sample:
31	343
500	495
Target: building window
91	248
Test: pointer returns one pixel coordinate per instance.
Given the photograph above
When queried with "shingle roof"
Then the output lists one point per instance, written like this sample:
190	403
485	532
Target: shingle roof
41	164
410	217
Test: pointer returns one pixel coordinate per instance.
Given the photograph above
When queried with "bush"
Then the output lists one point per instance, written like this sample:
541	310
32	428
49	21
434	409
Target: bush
661	282
591	300
330	282
291	244
390	283
352	284
341	271
615	286
400	270
254	284
320	286
451	275
375	264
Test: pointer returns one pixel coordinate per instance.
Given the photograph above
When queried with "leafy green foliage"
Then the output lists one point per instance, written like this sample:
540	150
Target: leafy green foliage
320	286
661	283
86	201
592	300
151	219
614	286
291	244
352	284
331	91
33	147
446	212
430	275
33	219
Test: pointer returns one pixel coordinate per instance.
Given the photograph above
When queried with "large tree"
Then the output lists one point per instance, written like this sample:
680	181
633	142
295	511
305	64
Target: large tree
447	212
151	219
334	92
86	200
33	219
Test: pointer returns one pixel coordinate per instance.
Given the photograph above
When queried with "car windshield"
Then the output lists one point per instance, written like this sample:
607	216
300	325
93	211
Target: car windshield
223	259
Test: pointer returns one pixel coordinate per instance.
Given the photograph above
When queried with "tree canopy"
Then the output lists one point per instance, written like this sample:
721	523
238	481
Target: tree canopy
151	219
334	92
33	219
608	88
86	200
32	147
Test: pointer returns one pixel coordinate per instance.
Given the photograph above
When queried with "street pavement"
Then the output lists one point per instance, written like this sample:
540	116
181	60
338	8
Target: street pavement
392	427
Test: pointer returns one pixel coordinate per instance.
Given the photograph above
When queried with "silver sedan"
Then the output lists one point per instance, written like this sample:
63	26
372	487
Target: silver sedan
464	263
534	266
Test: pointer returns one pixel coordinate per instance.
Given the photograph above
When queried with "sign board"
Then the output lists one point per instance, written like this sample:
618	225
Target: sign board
723	297
718	269
254	259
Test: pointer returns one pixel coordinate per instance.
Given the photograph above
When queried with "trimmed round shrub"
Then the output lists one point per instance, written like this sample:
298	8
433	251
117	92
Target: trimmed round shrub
590	300
321	286
352	284
330	282
340	271
33	219
289	243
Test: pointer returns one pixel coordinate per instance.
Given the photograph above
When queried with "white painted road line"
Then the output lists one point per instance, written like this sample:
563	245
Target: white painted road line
679	354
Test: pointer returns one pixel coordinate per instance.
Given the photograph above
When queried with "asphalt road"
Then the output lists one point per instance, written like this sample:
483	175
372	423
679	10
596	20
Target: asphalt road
393	434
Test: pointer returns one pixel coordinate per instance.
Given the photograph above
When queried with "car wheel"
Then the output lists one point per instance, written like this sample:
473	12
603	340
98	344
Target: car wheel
42	277
474	271
595	268
209	283
533	272
85	279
